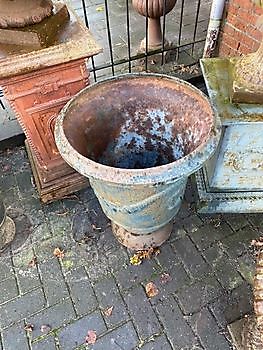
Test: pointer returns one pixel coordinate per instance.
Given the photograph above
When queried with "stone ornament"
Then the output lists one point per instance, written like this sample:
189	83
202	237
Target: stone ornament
20	13
248	73
156	9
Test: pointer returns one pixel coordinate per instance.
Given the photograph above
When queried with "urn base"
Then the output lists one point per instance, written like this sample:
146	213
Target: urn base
141	241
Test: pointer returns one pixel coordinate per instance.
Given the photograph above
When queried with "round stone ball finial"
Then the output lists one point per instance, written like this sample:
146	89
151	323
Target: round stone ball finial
21	13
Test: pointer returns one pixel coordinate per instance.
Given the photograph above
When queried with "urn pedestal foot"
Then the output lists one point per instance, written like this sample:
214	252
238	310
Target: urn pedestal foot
141	241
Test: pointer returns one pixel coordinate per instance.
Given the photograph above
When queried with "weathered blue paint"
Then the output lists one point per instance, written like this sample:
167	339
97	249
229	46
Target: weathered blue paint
140	175
232	181
140	209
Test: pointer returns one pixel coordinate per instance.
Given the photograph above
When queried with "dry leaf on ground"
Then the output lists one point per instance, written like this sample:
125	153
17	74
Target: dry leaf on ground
29	327
32	262
151	290
108	312
91	337
165	278
135	260
100	8
138	257
59	253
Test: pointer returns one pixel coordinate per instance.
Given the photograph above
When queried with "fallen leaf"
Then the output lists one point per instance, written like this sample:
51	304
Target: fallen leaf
151	290
91	337
59	253
100	8
6	168
96	228
108	312
138	257
32	262
45	328
63	213
135	260
165	278
29	327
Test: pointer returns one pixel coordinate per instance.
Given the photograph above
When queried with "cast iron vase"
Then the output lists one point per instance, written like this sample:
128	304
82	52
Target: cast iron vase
137	137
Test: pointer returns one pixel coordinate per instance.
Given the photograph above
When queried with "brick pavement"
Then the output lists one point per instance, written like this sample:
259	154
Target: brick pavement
208	260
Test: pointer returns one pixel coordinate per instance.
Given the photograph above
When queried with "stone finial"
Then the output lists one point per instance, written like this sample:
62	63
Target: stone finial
156	9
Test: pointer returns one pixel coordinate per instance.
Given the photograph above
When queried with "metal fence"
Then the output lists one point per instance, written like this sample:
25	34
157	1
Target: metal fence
119	29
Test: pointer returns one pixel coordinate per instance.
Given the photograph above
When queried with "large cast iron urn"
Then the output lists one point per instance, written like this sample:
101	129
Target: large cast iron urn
137	138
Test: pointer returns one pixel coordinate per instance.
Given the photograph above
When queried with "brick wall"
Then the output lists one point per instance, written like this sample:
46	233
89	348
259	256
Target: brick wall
239	34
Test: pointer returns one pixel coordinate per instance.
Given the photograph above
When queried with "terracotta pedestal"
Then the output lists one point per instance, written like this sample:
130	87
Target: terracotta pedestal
38	83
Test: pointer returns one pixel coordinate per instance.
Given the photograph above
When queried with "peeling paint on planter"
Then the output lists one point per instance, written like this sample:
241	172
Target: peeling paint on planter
138	137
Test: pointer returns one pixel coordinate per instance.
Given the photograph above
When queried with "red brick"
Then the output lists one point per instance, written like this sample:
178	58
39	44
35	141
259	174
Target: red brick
229	29
229	40
255	46
244	49
256	34
248	41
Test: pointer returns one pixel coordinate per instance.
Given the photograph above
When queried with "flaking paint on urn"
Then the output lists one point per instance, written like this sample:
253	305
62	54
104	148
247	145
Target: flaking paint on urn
137	137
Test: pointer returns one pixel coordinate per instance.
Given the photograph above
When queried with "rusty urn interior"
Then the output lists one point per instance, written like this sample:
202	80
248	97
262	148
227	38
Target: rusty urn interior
142	123
137	137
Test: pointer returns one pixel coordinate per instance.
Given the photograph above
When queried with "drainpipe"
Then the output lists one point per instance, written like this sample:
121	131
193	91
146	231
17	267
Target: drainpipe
213	27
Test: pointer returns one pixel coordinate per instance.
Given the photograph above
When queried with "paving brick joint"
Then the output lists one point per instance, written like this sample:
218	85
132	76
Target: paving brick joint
50	303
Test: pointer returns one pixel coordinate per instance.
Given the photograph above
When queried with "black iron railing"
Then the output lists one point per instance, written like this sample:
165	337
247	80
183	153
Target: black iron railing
183	8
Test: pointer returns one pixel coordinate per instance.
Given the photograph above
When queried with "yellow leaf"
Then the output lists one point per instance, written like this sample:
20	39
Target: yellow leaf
135	260
100	8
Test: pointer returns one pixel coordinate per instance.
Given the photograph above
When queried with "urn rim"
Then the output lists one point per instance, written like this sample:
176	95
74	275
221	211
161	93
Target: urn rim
170	172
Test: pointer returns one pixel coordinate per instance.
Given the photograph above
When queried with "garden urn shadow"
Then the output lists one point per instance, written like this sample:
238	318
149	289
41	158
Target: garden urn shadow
138	137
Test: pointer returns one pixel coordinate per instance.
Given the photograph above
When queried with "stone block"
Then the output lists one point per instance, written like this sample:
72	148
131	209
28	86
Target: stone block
15	337
123	337
74	334
142	313
191	258
53	317
176	328
199	294
208	332
108	296
21	307
81	291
